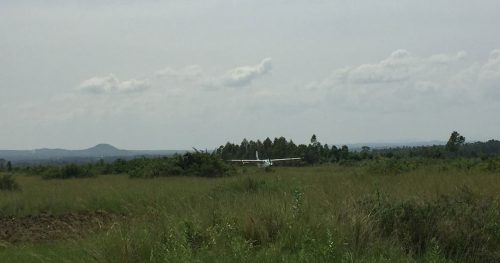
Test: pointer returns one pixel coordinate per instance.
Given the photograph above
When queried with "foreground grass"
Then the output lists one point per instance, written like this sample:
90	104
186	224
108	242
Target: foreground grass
319	214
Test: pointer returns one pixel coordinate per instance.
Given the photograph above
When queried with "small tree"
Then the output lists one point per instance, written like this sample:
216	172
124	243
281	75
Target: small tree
456	140
365	152
9	166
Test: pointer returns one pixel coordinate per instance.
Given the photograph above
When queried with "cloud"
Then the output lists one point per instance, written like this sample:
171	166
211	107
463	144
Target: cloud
401	82
404	82
175	82
192	72
445	58
400	66
243	76
112	85
236	77
489	75
395	68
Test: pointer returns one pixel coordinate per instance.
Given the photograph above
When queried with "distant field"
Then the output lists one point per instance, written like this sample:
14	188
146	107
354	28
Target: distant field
328	213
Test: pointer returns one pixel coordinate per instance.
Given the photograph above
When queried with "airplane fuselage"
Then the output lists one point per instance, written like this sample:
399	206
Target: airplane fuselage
266	163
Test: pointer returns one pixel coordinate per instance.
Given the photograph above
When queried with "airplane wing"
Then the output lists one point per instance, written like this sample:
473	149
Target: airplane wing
286	159
247	161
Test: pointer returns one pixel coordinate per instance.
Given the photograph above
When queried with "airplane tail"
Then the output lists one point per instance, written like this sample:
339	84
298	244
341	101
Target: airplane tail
257	155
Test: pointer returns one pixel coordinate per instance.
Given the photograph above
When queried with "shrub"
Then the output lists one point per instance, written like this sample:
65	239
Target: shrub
190	164
156	168
464	226
67	171
36	170
8	183
204	164
493	165
390	166
465	164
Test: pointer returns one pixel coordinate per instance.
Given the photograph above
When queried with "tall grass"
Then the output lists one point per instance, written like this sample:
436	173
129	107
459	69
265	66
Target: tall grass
8	183
311	214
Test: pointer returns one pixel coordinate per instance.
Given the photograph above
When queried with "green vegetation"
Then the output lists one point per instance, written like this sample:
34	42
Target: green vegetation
190	164
8	183
204	164
420	204
412	210
313	153
316	153
463	225
67	171
456	140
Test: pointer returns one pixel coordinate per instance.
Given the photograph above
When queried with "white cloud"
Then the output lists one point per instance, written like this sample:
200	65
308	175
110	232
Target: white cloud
489	75
111	84
236	77
445	58
176	82
400	66
243	76
404	82
401	82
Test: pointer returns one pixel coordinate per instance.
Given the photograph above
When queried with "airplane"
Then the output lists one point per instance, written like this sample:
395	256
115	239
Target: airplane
265	162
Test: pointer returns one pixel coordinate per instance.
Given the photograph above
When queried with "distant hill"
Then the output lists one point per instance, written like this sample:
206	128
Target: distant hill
100	151
104	149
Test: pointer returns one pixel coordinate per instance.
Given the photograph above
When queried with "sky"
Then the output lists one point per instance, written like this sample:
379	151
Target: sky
178	74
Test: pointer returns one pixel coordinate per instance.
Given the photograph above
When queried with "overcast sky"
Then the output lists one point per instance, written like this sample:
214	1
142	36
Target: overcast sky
178	74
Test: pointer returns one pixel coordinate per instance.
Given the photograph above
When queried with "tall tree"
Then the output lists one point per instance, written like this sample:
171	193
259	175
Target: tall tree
344	152
268	147
456	140
314	140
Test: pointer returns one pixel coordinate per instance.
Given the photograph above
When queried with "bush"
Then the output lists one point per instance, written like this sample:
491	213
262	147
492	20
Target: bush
8	183
156	168
465	164
493	165
204	165
67	171
391	166
36	170
464	226
190	164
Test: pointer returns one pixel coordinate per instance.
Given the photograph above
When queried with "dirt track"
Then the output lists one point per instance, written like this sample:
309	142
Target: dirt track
46	227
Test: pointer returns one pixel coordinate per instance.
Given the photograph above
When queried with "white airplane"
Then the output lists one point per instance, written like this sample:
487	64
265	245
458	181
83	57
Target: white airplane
265	162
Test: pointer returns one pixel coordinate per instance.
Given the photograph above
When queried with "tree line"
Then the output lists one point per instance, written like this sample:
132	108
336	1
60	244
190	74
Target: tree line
456	147
314	152
202	164
214	163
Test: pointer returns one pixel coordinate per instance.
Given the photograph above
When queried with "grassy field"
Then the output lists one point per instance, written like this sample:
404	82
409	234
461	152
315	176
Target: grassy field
332	213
